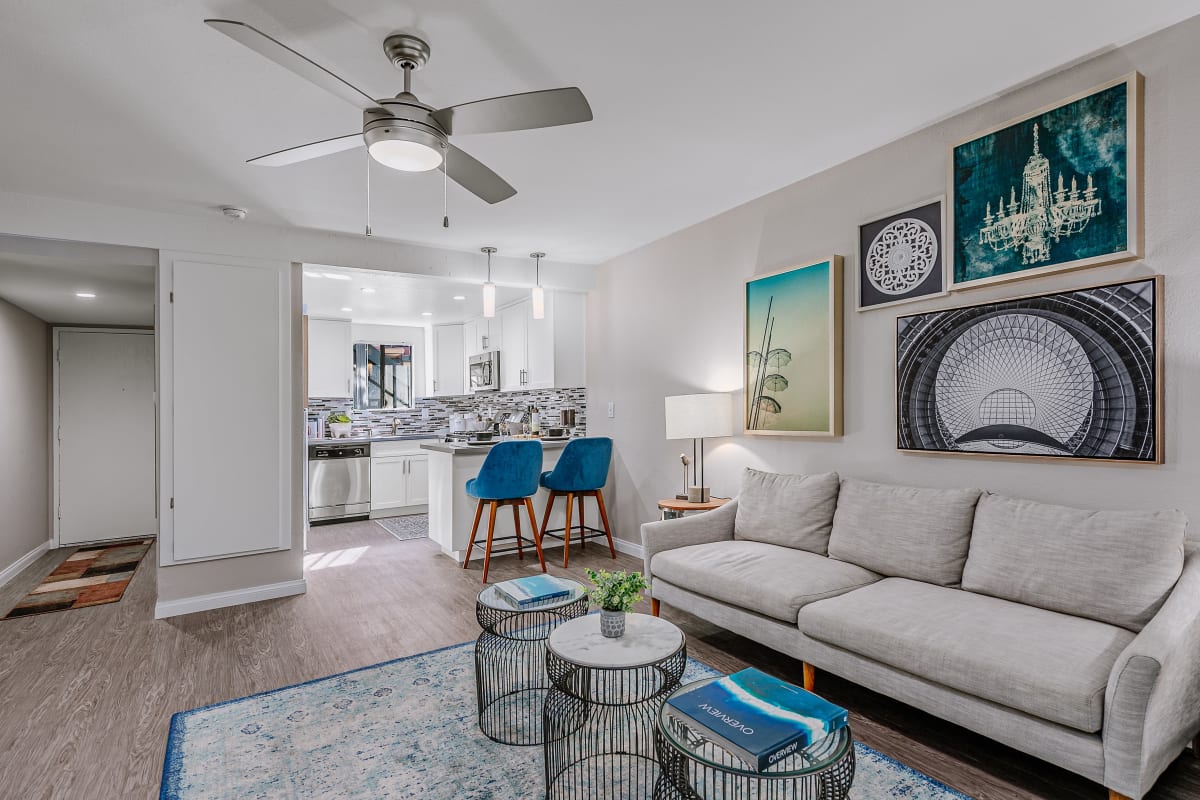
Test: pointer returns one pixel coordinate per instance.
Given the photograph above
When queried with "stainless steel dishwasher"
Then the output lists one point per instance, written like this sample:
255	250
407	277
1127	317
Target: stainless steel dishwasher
339	481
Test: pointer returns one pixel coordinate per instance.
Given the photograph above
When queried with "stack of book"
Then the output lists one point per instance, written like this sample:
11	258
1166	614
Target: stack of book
536	590
757	718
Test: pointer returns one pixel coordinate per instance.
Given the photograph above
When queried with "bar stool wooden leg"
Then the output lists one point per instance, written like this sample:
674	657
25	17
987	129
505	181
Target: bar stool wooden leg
567	532
582	526
537	539
474	528
546	516
487	553
517	528
604	519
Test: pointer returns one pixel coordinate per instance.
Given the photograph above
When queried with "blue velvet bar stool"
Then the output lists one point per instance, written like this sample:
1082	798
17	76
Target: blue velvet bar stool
581	471
508	477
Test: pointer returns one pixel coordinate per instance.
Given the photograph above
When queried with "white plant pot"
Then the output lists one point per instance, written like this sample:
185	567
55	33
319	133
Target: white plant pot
612	624
340	430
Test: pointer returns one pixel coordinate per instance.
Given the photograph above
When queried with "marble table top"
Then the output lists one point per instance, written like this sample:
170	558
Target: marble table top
647	640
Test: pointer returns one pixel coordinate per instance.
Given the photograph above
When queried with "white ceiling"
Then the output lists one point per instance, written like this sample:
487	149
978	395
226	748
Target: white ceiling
396	299
700	105
42	277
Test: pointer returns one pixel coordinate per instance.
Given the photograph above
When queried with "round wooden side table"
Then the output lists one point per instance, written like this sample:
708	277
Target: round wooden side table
674	508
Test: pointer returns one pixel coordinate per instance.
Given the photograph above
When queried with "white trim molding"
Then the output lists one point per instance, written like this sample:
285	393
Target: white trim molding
629	548
236	597
15	568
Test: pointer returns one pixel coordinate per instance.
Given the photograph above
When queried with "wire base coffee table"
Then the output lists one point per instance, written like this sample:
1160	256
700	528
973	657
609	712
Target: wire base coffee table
510	662
602	709
694	768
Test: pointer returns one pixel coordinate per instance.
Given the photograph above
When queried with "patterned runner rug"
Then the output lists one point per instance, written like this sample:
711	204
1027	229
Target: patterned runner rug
91	576
401	729
410	526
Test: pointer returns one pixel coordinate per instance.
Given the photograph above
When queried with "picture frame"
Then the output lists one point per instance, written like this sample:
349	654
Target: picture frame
901	256
792	341
1074	171
1072	375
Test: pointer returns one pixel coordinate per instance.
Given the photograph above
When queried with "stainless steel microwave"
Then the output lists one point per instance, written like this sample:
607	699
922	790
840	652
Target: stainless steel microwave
483	371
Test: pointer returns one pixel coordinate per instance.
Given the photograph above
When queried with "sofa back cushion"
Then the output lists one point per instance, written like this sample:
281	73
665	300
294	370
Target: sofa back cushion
787	510
903	531
1113	566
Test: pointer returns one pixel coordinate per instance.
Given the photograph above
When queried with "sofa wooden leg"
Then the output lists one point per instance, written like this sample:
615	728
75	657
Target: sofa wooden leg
810	676
654	606
1114	795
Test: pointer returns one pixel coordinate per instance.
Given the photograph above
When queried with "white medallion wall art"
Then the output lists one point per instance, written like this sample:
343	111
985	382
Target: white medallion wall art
900	257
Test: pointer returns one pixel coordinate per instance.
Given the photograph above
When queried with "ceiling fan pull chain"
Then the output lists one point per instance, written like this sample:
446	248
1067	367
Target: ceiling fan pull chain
368	193
445	186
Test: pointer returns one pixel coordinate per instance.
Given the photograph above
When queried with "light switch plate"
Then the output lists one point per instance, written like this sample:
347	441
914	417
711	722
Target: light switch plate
612	410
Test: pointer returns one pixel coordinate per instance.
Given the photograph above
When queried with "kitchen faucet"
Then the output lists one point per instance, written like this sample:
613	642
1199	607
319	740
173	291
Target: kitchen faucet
395	423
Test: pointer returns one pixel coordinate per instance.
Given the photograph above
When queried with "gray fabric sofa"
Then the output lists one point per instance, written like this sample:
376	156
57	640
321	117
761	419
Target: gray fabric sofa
1071	635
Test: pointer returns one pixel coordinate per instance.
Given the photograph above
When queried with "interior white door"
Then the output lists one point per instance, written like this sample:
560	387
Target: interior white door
105	450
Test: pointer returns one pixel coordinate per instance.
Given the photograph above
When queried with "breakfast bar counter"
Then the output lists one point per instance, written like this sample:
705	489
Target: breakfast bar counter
451	509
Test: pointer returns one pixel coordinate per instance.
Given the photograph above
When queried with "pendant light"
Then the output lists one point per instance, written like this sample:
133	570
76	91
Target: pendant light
489	288
539	295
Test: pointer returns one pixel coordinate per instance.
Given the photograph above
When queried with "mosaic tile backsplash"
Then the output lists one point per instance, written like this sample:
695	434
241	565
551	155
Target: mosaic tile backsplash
432	414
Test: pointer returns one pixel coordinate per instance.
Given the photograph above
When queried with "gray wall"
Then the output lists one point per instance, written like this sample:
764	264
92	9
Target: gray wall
25	456
666	319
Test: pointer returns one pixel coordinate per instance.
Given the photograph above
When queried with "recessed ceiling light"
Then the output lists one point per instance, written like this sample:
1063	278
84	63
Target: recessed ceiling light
87	295
333	276
367	290
460	297
308	274
426	313
347	310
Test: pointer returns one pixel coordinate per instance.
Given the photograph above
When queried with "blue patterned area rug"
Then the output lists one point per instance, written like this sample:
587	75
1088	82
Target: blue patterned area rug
401	729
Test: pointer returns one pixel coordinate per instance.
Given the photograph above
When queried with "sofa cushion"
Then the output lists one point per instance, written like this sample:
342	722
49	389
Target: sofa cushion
1047	664
904	531
1112	566
765	578
787	510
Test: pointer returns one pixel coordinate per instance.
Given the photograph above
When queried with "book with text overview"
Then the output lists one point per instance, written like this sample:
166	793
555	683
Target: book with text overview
535	590
758	718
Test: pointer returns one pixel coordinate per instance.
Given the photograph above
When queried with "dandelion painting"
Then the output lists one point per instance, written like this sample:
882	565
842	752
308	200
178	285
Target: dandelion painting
793	351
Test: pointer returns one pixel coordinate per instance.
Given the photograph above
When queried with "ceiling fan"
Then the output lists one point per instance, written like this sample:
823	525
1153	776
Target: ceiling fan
403	133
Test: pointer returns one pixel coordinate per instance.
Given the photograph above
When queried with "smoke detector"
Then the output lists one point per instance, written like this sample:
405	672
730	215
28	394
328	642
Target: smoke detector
234	213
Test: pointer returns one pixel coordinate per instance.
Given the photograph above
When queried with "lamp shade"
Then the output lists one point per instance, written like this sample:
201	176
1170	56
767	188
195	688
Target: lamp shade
699	416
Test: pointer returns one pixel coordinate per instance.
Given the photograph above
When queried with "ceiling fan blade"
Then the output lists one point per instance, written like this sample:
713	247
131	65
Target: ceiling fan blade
289	59
517	112
304	152
476	178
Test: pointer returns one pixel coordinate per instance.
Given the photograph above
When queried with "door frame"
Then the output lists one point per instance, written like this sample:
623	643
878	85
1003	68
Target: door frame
55	423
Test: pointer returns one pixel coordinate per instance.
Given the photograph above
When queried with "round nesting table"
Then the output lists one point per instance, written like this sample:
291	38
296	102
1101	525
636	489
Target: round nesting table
603	704
510	662
693	768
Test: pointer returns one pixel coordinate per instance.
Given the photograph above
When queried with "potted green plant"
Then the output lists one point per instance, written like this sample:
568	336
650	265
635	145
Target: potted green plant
616	593
339	424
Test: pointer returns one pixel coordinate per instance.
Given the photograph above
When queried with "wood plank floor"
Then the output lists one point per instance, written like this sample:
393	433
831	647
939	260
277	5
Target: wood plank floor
86	696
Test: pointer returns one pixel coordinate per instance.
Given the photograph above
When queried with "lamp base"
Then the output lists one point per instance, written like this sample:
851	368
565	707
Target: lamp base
698	494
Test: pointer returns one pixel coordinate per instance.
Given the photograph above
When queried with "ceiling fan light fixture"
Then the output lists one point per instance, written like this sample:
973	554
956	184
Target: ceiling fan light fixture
404	149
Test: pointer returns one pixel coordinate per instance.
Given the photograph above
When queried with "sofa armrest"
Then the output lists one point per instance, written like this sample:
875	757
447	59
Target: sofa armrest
668	534
1152	704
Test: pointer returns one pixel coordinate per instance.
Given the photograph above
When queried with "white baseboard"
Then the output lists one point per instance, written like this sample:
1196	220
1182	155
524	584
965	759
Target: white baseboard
236	597
15	568
630	548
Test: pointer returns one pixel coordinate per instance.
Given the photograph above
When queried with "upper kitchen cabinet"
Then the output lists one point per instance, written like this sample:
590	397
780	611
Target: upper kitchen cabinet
330	358
481	334
544	353
449	360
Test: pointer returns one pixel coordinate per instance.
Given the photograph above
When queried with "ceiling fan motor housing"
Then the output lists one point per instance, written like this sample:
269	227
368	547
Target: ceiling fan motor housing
403	118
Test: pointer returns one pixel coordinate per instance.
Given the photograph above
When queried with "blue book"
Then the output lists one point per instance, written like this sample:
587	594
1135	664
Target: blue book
535	590
760	719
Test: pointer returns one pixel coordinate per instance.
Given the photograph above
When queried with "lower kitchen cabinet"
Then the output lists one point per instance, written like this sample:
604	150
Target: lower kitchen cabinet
399	480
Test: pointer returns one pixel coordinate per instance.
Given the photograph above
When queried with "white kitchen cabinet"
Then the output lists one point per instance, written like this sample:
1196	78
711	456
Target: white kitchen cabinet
544	353
481	334
399	475
448	360
330	357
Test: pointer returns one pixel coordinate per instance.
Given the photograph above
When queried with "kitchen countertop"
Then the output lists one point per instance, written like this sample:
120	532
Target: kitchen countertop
458	449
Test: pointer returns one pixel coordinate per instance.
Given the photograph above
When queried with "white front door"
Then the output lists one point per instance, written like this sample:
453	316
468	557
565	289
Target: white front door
104	440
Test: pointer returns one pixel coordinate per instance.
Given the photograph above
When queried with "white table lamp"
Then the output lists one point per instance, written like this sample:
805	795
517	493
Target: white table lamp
699	417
